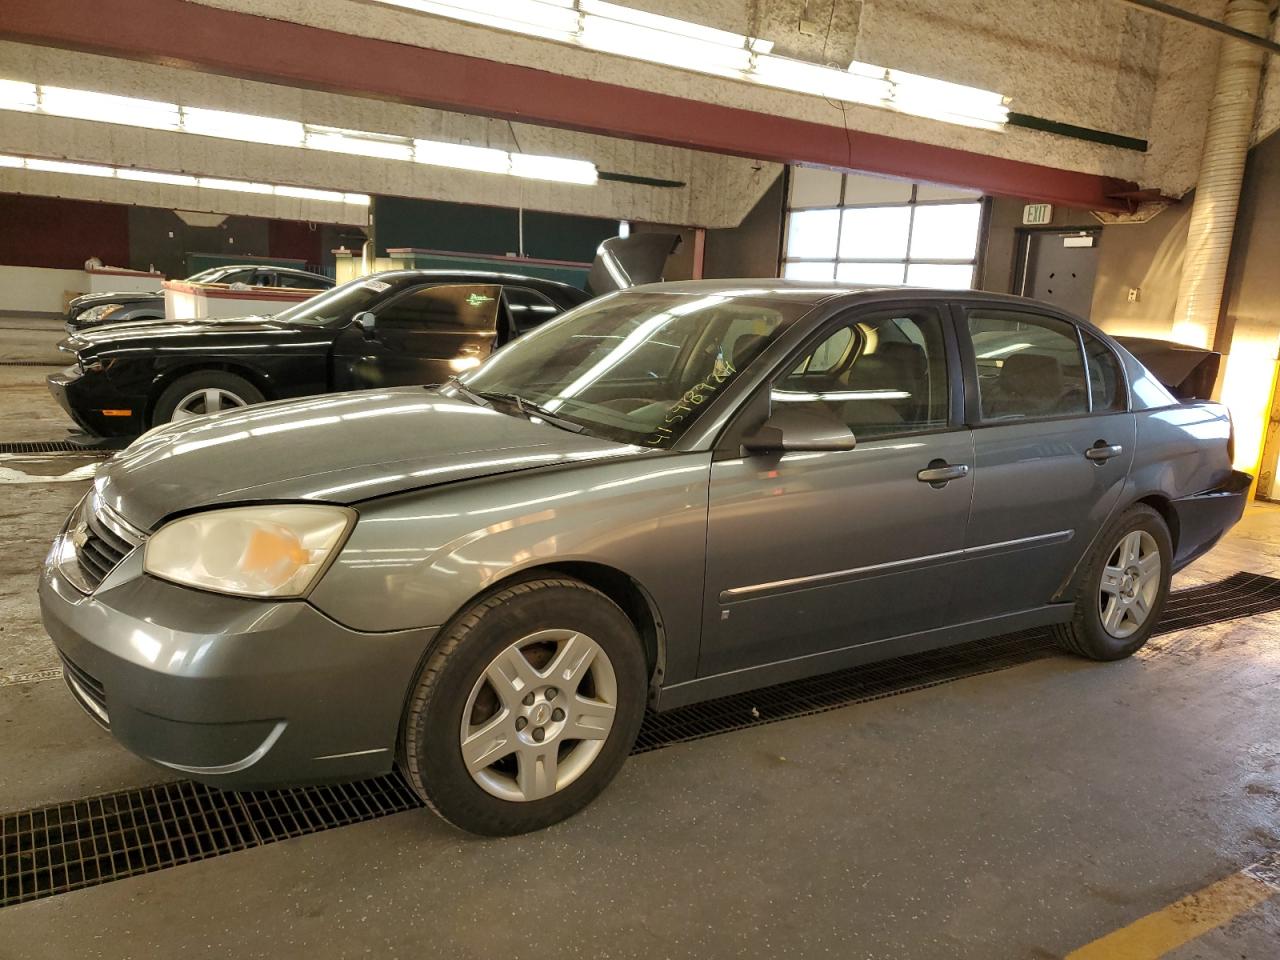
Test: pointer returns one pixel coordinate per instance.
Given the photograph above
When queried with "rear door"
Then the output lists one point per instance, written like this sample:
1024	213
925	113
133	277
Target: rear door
424	335
1053	443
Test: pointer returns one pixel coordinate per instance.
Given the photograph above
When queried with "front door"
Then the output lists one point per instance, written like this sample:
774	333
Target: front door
811	552
1053	446
423	336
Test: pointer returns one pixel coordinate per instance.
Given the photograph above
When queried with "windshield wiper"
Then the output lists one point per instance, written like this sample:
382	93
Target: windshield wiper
470	394
530	409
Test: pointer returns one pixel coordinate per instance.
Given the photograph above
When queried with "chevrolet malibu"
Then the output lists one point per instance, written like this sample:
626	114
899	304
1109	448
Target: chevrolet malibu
666	495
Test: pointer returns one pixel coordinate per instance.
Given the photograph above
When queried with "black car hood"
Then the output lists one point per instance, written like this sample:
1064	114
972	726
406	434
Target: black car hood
84	301
145	334
337	448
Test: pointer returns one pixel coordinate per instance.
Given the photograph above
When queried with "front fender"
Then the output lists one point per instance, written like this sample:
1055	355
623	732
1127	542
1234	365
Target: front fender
419	558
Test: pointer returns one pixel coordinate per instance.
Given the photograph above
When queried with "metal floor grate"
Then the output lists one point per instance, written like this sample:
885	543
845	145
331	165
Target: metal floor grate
64	847
53	446
31	363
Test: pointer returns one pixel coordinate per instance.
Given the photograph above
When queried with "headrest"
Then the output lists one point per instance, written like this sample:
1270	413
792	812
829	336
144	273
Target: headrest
1031	373
745	348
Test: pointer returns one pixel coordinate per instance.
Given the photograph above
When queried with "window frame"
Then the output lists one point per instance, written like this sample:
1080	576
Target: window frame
729	442
961	309
912	203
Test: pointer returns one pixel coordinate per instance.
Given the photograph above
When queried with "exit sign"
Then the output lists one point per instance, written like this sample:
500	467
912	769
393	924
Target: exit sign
1037	214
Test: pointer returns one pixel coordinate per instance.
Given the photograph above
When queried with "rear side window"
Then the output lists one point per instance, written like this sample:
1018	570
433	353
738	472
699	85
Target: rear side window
300	281
1106	380
1029	366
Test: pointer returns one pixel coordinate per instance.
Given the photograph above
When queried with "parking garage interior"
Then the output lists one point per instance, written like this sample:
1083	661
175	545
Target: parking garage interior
1115	161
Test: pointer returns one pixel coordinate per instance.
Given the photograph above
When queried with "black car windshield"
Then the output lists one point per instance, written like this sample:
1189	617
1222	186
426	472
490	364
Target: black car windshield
339	303
638	367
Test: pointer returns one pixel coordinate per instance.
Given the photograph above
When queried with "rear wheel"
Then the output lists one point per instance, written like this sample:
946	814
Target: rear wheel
205	391
1123	594
526	708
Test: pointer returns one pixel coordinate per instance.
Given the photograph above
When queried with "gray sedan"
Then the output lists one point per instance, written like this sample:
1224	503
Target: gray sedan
666	495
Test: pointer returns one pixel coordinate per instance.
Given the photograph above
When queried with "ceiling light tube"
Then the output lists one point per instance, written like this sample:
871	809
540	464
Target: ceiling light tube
243	126
16	95
109	108
336	141
558	169
670	25
552	19
75	168
461	156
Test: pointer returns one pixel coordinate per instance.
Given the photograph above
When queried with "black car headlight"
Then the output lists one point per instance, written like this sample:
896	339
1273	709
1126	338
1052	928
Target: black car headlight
100	312
266	551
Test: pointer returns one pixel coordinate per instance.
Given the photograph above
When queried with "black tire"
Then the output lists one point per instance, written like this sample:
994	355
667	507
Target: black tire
189	383
1085	635
430	752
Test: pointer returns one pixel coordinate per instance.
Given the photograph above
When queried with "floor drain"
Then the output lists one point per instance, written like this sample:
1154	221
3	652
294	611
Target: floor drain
53	446
83	843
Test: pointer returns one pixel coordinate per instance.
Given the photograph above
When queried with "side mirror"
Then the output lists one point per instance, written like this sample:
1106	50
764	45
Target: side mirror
794	428
367	323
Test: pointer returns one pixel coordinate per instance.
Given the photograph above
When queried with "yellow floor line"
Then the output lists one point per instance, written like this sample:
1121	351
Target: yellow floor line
1181	922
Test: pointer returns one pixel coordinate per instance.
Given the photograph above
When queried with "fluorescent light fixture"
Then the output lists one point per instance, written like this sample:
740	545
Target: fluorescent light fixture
461	156
16	95
109	108
553	168
247	128
179	179
359	144
151	176
243	126
624	31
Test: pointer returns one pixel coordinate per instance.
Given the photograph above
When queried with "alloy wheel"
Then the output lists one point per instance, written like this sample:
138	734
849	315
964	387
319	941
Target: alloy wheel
539	715
205	400
1130	584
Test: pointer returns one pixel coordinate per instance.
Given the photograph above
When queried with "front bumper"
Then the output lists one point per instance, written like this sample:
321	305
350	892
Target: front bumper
237	693
86	401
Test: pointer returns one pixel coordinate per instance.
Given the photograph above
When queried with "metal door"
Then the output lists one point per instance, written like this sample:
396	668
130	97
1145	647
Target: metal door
1059	268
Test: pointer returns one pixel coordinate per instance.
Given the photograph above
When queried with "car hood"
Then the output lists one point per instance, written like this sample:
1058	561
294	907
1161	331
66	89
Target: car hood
111	336
337	448
97	299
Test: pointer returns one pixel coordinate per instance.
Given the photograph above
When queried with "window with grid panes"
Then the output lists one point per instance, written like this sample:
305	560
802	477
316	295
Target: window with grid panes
880	231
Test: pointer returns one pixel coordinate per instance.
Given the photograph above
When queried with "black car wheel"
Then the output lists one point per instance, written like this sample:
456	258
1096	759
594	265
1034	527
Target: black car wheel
525	709
205	391
1122	595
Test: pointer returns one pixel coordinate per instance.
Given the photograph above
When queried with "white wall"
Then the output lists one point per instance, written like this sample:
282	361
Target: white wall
37	289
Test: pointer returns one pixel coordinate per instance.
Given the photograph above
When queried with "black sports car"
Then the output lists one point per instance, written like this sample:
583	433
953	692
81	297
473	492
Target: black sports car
397	328
95	309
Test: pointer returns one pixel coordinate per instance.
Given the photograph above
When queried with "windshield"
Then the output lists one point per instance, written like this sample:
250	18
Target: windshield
637	367
339	303
208	276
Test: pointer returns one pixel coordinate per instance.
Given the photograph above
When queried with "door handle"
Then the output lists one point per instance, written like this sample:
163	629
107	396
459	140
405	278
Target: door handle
1101	452
939	473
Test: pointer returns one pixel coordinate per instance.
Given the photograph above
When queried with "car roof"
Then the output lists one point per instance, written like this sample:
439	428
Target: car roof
817	292
406	276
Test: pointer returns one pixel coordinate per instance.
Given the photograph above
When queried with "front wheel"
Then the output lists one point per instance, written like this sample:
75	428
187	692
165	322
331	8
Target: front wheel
1123	593
205	391
526	708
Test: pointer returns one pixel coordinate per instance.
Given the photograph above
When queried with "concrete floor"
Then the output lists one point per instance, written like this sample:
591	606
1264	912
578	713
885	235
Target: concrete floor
1020	814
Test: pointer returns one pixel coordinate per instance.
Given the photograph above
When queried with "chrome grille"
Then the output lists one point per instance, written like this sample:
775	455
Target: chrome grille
87	689
100	539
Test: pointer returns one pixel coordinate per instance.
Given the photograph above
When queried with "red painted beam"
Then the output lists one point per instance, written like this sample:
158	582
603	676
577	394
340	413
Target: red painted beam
176	33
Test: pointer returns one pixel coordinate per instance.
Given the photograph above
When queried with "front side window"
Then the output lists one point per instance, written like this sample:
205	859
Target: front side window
639	367
1029	366
444	308
882	374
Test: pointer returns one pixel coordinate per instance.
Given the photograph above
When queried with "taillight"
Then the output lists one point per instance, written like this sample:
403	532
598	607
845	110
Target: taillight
1231	438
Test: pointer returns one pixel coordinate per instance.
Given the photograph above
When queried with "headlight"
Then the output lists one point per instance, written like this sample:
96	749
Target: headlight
269	551
94	314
